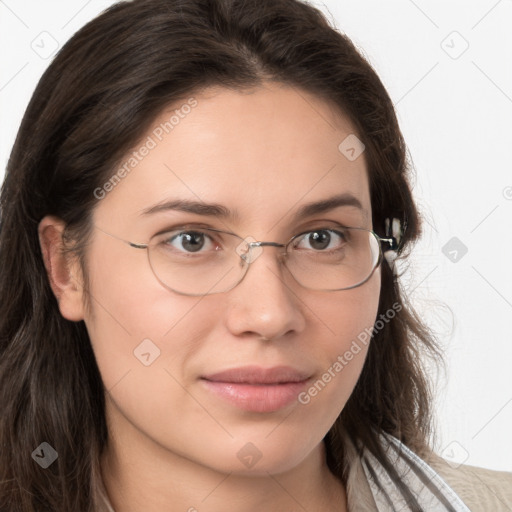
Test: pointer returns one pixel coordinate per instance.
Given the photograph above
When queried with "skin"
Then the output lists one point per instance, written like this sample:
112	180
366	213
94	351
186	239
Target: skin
171	440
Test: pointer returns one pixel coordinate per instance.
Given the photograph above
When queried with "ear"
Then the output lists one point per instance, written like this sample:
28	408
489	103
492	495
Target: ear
63	270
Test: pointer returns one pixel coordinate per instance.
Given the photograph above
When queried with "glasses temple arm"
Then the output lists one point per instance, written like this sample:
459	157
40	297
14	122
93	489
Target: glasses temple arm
131	244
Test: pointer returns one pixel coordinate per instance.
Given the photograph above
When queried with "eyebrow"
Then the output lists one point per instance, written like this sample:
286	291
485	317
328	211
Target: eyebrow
222	212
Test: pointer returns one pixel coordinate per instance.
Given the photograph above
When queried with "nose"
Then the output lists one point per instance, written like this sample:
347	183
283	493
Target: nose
265	303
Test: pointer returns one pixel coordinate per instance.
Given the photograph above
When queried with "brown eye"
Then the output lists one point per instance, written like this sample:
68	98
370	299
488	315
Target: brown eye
322	239
188	241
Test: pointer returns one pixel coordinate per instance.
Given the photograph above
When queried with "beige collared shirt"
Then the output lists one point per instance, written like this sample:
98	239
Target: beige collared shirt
479	489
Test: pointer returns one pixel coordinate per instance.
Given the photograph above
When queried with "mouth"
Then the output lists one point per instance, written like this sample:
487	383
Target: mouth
257	389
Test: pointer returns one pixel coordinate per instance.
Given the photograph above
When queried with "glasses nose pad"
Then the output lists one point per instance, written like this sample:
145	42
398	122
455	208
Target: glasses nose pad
247	252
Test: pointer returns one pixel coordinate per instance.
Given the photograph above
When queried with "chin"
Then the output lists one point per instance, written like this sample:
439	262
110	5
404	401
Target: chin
261	455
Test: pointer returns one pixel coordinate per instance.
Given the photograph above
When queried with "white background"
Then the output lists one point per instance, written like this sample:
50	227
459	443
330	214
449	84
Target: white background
455	110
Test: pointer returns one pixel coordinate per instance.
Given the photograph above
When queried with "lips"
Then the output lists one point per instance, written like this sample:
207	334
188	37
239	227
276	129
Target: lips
259	375
257	389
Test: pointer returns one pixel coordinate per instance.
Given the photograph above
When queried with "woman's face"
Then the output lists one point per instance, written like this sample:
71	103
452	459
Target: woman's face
263	154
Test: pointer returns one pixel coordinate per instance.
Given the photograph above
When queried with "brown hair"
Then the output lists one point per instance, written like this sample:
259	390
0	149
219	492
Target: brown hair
95	101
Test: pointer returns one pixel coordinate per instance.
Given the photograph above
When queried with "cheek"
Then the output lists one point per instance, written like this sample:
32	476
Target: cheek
142	336
136	324
349	321
348	314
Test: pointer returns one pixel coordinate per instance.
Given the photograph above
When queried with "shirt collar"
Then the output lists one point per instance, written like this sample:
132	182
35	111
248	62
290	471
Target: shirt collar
370	488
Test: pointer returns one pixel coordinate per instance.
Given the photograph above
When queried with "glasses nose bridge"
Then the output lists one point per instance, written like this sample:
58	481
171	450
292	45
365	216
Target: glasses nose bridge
262	244
249	257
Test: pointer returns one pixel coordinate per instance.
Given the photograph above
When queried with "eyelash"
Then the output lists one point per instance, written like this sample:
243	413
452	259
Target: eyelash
173	233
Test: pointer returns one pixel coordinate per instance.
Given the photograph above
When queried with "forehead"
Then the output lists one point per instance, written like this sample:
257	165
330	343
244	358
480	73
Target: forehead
263	152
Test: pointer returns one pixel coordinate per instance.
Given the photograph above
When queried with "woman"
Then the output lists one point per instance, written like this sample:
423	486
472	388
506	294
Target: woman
197	313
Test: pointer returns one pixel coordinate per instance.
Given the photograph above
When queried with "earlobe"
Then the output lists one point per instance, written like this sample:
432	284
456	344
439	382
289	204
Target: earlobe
62	270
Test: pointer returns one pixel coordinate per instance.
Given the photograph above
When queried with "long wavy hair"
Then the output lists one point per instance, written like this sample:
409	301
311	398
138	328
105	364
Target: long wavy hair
95	101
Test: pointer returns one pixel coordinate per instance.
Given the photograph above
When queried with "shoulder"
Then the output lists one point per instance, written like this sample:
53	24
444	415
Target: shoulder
478	488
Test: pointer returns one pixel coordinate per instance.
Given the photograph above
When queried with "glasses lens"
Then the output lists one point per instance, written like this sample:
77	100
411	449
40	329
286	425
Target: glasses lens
195	261
333	259
202	261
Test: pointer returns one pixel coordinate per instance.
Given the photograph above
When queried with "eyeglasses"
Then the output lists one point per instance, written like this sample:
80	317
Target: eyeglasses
202	261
